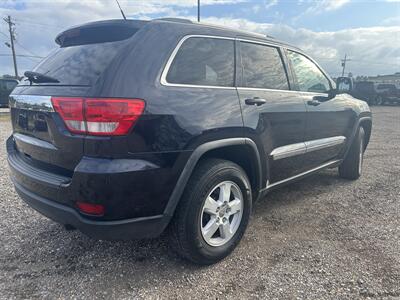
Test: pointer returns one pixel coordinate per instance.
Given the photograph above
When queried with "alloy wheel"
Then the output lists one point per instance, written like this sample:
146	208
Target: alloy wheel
221	214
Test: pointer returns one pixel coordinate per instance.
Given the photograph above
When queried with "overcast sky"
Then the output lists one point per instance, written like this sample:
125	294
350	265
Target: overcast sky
367	30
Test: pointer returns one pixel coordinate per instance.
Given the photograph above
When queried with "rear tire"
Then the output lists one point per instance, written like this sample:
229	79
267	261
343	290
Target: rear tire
379	100
213	213
351	167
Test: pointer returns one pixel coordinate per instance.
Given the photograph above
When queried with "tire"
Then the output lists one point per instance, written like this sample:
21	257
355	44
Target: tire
191	228
351	167
379	100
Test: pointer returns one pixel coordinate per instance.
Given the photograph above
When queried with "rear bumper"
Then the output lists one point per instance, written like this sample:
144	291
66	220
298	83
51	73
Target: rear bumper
129	195
145	227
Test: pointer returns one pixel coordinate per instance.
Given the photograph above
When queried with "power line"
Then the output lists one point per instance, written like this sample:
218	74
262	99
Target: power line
22	55
19	44
31	58
355	60
38	24
4	34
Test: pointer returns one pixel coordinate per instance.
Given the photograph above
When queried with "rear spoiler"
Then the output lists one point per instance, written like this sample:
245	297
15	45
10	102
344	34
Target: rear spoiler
99	32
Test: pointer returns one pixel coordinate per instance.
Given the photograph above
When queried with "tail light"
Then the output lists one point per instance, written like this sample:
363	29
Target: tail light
103	116
91	209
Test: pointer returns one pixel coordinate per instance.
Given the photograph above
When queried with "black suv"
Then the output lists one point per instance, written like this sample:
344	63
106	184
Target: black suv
131	127
388	93
6	87
366	91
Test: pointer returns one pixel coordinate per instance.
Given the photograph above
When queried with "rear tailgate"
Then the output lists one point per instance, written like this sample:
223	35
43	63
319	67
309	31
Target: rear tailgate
40	134
85	53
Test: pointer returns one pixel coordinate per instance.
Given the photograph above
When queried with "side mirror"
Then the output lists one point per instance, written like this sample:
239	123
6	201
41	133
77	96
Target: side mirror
344	85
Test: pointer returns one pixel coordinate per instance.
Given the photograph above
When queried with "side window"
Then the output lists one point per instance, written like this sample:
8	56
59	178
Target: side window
10	85
262	67
204	61
309	76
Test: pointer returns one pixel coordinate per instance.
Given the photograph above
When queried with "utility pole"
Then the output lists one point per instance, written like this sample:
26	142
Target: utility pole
198	10
344	63
12	38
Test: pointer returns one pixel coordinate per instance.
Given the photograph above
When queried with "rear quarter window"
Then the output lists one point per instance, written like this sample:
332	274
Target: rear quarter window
204	61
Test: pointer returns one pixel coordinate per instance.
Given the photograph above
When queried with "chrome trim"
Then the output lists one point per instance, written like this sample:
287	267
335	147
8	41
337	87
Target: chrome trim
31	102
282	91
306	147
266	43
33	141
316	145
164	73
164	82
302	174
288	151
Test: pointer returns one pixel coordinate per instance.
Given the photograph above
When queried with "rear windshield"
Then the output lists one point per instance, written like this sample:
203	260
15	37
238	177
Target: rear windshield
81	64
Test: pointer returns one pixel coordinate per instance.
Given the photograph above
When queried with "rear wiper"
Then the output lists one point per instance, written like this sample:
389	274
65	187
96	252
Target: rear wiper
39	78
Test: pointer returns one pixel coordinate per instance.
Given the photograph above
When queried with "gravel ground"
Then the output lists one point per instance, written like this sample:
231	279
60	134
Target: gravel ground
321	238
4	110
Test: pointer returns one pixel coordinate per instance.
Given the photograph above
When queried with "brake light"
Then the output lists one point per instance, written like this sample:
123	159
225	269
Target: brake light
102	116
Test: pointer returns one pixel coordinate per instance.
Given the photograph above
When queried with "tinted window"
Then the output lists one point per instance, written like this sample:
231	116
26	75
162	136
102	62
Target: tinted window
262	67
7	85
204	61
10	85
309	76
79	65
386	86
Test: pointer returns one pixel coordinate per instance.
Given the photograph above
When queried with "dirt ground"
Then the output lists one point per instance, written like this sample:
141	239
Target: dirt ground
320	238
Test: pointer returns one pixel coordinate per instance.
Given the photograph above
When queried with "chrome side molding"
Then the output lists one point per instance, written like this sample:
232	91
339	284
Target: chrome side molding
31	102
326	165
316	145
288	151
306	147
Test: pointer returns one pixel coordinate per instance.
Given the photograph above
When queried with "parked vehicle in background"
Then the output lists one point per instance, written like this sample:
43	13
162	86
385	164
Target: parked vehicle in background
365	90
6	87
388	93
130	127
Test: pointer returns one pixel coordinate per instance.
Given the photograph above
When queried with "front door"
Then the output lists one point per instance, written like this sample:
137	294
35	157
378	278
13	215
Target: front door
329	119
274	117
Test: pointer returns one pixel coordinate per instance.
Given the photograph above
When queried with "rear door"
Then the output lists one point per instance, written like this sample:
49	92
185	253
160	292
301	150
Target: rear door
273	116
330	119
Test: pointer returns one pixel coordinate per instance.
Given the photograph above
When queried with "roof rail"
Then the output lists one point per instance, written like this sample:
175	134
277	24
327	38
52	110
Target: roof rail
178	20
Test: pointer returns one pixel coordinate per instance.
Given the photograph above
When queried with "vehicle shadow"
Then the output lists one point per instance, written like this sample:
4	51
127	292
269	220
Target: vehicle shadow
53	250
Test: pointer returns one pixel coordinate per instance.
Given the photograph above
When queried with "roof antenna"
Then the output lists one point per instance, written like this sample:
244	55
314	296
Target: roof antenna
122	12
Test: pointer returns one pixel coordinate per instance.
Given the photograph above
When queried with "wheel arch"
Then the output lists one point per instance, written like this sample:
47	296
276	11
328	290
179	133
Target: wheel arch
232	149
366	124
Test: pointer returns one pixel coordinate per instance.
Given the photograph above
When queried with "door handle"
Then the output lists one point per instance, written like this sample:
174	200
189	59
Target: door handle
313	102
255	101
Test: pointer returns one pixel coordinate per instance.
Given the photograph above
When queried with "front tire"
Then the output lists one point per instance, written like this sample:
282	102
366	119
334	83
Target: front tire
351	167
213	213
